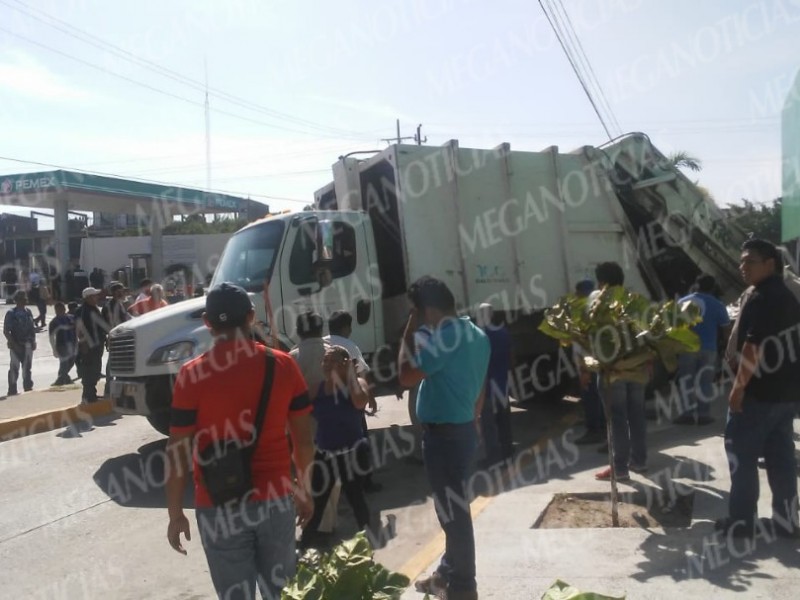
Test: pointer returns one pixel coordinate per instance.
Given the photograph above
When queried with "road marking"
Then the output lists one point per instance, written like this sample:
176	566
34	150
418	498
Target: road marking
417	564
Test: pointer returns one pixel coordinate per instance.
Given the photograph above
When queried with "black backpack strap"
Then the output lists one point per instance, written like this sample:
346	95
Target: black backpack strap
266	390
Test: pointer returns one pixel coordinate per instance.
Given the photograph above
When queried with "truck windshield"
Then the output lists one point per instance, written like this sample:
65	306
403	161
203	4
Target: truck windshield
249	256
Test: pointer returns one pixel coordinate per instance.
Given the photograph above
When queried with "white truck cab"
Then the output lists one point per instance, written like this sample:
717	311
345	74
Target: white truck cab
147	351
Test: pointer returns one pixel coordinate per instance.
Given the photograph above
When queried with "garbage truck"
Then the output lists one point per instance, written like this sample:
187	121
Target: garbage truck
515	229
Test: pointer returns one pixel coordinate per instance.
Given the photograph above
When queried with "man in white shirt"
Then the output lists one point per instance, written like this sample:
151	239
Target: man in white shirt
311	349
340	325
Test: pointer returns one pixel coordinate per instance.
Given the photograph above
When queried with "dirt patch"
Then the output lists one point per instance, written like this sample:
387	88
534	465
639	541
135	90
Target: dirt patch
636	509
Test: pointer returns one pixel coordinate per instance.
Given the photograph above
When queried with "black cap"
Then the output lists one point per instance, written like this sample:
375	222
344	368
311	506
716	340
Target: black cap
227	305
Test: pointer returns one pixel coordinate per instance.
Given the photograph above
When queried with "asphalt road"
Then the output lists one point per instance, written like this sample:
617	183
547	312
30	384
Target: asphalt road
84	514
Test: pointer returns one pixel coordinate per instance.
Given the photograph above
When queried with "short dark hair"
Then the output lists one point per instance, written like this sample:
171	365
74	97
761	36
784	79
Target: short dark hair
58	305
609	273
145	282
339	321
429	292
705	283
309	324
765	251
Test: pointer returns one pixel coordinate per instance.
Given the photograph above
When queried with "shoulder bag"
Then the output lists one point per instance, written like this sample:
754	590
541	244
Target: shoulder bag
226	464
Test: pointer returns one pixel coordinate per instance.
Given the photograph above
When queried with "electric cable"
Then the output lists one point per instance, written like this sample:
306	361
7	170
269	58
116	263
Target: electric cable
102	44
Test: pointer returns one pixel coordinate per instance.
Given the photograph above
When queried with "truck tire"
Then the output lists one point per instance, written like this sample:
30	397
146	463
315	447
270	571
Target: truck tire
160	421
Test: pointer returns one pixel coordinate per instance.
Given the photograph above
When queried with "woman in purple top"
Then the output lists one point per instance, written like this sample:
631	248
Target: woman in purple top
338	406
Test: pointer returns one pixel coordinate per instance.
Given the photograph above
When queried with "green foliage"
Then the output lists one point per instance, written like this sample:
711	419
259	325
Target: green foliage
195	224
683	160
623	331
762	220
563	591
348	572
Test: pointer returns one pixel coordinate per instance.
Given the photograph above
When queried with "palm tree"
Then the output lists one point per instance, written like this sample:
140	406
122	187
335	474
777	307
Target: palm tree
682	159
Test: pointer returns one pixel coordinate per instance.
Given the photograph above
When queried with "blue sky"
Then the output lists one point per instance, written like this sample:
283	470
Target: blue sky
709	77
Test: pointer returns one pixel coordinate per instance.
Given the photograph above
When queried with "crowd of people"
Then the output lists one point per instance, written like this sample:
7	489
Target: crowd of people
462	369
761	363
77	333
321	392
325	416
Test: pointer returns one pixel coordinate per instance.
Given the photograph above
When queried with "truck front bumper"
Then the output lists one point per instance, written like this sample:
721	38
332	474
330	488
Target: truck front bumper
129	397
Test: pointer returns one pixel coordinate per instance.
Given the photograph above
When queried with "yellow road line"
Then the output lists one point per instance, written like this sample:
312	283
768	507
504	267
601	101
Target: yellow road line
418	563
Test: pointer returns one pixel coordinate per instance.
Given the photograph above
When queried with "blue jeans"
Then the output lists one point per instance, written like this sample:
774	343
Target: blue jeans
249	545
496	424
448	451
762	429
629	425
593	407
695	381
21	358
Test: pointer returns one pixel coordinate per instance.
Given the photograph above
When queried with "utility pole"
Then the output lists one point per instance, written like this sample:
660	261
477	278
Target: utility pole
399	139
418	136
208	130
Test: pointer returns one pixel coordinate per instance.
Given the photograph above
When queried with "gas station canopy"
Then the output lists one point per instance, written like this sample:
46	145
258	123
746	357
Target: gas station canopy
83	191
154	204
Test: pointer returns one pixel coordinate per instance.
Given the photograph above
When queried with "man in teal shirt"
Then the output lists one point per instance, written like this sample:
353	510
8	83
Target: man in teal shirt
448	357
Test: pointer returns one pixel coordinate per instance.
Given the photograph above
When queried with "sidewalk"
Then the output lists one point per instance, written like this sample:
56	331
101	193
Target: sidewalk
515	561
46	409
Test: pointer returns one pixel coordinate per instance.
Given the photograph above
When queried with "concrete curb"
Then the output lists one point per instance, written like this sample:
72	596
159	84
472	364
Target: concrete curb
52	419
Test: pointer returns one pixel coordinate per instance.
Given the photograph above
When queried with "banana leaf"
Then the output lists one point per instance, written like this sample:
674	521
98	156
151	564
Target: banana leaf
563	591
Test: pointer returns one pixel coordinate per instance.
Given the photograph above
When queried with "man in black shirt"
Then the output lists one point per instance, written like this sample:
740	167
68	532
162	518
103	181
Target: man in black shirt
92	330
762	402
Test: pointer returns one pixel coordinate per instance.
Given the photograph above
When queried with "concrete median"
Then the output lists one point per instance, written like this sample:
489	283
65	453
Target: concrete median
46	410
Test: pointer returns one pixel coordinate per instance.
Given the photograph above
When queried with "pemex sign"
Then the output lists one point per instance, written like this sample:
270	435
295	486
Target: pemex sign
32	183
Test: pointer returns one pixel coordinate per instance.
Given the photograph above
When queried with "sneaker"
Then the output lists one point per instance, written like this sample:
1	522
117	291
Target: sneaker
637	468
605	475
705	420
435	585
684	420
590	437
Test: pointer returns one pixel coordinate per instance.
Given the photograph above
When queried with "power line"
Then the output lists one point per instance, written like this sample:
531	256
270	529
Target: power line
167	183
159	90
575	69
102	44
587	65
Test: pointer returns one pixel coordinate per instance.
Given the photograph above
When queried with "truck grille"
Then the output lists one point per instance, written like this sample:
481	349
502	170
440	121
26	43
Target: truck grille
122	352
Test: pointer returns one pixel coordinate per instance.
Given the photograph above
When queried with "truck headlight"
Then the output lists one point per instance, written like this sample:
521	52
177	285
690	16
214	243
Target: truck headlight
173	353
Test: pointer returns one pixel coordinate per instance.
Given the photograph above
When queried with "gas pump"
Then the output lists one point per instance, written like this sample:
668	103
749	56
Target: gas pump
141	266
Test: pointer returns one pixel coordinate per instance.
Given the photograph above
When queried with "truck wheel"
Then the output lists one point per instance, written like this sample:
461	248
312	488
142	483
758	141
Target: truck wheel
160	421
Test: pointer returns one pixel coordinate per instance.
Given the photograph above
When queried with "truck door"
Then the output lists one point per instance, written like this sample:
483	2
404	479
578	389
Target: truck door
343	284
